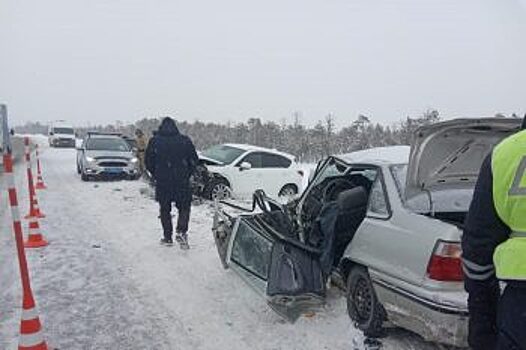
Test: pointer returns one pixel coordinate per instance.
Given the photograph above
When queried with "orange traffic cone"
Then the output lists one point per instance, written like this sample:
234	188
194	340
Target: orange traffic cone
35	239
31	337
34	209
40	181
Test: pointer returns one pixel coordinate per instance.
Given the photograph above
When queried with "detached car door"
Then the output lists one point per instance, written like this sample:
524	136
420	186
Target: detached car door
288	277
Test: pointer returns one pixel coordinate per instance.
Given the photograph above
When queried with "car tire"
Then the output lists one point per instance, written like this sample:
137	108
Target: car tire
218	188
84	177
362	303
288	190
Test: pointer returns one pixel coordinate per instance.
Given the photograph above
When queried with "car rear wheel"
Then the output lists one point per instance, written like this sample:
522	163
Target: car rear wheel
218	189
362	303
288	191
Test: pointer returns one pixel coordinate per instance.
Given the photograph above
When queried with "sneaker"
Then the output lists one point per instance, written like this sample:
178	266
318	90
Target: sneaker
183	241
167	241
179	237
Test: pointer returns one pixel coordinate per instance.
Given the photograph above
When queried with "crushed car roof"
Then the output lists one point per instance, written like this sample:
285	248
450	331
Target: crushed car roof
379	155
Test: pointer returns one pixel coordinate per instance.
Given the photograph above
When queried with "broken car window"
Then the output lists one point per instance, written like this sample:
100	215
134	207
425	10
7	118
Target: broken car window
251	251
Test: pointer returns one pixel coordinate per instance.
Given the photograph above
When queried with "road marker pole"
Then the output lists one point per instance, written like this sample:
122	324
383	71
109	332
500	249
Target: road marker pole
34	210
40	181
31	335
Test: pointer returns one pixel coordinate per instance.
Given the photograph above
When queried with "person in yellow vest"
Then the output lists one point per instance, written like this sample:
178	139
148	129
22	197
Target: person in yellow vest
142	142
494	249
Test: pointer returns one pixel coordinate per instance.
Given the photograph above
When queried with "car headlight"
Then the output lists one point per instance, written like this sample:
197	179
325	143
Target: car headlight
134	160
90	159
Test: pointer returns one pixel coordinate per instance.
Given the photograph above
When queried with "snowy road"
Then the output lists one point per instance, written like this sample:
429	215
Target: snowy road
104	282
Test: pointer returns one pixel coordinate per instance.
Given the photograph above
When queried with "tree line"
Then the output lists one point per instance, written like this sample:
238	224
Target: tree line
308	144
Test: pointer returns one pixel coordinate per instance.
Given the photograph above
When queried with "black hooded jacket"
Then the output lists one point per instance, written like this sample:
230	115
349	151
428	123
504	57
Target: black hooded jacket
171	159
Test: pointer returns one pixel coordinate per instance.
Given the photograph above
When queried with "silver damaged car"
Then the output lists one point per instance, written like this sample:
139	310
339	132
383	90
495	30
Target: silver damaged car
383	224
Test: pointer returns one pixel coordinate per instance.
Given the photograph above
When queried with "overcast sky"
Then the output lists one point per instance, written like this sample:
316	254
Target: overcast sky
99	61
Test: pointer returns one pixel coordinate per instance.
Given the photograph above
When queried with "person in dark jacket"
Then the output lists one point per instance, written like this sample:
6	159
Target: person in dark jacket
494	250
171	159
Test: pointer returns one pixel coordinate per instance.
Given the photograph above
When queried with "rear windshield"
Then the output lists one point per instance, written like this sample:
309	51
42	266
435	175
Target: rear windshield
107	144
223	154
68	131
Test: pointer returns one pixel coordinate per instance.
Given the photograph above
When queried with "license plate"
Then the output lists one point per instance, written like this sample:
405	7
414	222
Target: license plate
114	170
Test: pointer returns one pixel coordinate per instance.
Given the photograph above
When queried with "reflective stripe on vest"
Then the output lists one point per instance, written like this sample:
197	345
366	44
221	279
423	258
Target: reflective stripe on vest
508	166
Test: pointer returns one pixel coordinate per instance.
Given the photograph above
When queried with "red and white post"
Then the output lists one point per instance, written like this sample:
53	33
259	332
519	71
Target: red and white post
34	210
31	335
40	181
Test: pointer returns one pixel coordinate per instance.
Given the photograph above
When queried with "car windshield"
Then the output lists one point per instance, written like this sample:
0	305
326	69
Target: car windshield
131	142
223	153
399	173
107	144
334	168
67	131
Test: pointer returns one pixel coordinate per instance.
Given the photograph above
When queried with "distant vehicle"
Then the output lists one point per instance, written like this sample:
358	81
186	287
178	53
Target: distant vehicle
61	134
241	169
106	156
384	223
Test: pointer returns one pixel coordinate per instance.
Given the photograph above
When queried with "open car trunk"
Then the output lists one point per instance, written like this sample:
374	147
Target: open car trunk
445	161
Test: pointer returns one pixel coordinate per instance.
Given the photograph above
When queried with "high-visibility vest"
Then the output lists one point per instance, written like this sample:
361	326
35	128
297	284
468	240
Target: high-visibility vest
508	166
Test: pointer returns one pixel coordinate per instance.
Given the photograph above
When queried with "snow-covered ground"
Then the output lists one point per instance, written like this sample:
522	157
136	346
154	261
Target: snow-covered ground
104	282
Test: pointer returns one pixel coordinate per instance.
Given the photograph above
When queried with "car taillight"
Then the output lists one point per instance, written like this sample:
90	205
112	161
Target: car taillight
445	263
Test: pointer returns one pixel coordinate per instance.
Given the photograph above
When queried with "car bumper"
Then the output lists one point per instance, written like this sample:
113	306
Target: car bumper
433	320
112	173
63	143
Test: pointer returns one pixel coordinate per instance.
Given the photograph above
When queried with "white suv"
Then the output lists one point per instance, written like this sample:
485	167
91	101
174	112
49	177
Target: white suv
239	170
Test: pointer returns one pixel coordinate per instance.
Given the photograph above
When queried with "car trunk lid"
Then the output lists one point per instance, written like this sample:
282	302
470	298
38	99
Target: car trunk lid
445	160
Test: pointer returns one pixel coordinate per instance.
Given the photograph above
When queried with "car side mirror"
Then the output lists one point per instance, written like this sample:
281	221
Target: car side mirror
51	133
245	166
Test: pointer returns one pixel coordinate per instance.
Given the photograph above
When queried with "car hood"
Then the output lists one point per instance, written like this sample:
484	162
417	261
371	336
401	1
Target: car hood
109	154
445	160
210	161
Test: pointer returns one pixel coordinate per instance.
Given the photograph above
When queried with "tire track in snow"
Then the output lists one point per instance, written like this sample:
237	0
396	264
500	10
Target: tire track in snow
87	302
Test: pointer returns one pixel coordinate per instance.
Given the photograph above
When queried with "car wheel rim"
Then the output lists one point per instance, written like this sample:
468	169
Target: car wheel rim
363	300
220	191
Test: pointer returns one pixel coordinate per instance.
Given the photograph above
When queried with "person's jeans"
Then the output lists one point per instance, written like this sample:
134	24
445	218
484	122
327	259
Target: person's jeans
166	219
